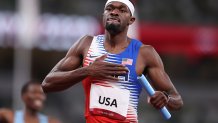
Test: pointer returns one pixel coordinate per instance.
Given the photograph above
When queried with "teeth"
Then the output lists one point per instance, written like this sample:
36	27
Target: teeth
113	19
38	103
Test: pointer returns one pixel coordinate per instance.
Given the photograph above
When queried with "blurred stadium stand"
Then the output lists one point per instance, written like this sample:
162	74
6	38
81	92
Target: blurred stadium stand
184	32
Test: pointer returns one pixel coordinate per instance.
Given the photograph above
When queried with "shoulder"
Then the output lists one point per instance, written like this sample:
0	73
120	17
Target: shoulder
84	41
147	50
6	114
81	45
150	55
53	120
144	49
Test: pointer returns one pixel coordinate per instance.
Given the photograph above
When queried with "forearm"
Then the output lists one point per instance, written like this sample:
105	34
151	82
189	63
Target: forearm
61	80
1	115
175	102
5	115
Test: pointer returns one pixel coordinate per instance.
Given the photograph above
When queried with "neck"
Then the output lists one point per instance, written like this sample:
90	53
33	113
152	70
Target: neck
117	39
30	112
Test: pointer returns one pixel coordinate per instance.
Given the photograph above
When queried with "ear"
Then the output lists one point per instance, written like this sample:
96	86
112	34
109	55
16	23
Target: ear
132	20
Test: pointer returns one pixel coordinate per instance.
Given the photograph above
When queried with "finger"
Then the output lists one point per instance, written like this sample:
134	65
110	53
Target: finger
159	104
116	73
114	65
148	100
153	97
118	69
114	69
101	58
156	98
111	78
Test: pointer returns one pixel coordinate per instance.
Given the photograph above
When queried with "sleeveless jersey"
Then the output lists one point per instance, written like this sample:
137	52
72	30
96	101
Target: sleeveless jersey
19	117
116	96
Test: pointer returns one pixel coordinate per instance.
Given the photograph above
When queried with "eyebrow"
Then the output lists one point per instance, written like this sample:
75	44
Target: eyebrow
113	6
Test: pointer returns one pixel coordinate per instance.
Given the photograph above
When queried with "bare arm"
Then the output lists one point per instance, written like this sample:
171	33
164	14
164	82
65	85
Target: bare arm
68	71
161	82
6	115
53	120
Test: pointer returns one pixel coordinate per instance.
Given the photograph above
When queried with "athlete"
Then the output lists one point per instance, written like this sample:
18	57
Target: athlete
33	98
108	66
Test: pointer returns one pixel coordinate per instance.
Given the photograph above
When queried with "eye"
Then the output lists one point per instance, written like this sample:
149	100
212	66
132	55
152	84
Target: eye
123	11
108	9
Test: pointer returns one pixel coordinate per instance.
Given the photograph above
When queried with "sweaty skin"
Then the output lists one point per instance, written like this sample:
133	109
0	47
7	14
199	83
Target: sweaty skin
33	99
116	20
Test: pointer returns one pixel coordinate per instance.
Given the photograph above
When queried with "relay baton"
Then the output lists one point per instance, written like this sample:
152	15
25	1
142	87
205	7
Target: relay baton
144	82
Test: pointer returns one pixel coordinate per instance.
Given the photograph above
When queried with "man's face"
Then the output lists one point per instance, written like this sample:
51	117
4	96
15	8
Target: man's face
34	97
117	17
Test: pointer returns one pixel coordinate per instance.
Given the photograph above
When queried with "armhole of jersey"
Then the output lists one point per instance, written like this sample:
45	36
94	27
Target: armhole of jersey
93	40
138	47
18	117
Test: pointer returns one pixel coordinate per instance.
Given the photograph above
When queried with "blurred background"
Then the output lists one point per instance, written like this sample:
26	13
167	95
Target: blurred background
36	34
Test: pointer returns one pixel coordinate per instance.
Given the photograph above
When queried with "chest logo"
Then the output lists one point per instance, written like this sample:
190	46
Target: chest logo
127	61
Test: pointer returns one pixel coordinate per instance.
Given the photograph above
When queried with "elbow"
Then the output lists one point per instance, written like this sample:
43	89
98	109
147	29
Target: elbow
50	84
176	104
46	85
180	104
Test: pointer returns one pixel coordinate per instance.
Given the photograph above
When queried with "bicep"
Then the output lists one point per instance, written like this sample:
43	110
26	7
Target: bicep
74	57
68	63
72	60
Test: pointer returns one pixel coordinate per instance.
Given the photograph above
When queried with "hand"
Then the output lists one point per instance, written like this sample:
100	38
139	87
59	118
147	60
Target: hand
104	70
158	100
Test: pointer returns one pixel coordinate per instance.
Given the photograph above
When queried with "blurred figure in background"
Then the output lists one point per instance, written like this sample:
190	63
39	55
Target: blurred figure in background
33	98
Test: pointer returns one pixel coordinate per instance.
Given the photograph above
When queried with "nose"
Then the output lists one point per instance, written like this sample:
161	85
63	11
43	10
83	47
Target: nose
114	12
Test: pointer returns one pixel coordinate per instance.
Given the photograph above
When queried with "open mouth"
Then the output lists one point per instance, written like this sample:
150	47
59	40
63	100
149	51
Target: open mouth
113	19
38	103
